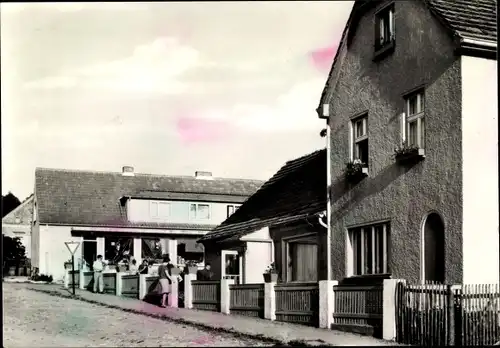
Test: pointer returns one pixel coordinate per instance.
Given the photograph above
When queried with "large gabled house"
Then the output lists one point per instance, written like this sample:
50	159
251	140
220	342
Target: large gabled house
17	224
279	223
411	104
119	214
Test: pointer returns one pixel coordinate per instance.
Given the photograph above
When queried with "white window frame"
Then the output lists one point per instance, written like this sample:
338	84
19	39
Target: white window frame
154	209
354	139
231	209
355	234
418	117
382	17
195	217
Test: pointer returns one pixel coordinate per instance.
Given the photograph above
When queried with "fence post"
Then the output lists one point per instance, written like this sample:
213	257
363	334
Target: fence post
188	290
119	283
389	308
326	303
66	278
142	286
173	297
269	301
225	295
451	315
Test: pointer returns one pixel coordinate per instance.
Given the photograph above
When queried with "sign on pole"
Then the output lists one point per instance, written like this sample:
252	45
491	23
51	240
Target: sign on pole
72	246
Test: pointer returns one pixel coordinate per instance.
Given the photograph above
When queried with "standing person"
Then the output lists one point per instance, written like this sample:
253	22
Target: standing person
165	280
98	267
143	268
205	274
132	268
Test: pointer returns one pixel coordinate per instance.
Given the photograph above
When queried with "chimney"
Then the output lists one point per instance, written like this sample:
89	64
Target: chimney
203	175
127	171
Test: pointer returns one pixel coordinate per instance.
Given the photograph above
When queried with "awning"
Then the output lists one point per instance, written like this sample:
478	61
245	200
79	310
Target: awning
190	246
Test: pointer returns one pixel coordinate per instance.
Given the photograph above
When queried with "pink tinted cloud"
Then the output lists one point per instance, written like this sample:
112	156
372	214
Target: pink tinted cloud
192	129
322	58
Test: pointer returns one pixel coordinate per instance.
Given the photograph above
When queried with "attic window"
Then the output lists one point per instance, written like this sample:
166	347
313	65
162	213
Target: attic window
384	30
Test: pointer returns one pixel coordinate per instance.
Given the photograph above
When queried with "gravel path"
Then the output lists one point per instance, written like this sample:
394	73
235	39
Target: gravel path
33	319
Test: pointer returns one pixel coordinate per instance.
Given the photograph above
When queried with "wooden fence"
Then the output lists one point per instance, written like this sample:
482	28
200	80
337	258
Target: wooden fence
434	314
206	295
109	282
130	285
247	299
297	303
358	309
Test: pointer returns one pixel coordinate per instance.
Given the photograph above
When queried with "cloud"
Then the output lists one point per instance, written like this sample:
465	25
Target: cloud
152	68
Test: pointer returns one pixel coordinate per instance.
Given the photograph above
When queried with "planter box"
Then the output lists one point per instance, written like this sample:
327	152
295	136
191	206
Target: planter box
192	269
411	156
270	277
357	175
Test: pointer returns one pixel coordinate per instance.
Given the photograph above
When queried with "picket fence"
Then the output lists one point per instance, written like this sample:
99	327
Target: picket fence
435	314
247	300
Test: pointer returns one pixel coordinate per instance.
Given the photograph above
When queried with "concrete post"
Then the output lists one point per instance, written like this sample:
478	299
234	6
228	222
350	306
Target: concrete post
225	295
142	286
326	303
81	284
66	278
188	290
173	297
119	283
269	301
389	308
138	250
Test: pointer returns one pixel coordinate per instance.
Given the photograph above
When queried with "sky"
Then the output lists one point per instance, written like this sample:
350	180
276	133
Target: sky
168	88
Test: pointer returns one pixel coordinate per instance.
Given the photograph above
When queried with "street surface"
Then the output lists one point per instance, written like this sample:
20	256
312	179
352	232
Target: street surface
34	319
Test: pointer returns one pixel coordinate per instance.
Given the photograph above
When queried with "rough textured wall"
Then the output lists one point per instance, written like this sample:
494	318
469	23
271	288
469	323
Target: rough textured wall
423	55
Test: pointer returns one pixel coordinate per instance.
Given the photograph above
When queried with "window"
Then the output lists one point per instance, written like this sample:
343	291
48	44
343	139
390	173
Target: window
412	123
301	259
116	249
159	209
231	209
369	249
384	28
199	211
360	139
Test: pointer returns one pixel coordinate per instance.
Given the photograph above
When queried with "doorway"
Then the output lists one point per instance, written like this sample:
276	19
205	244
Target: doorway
231	265
433	249
89	252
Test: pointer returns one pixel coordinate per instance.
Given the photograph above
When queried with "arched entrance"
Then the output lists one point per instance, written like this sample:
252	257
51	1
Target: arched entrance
433	249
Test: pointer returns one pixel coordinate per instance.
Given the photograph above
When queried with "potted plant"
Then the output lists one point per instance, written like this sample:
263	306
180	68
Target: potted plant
356	170
271	274
192	266
68	265
406	153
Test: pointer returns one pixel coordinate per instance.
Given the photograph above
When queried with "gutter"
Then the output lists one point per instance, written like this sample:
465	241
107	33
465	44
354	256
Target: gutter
477	48
471	42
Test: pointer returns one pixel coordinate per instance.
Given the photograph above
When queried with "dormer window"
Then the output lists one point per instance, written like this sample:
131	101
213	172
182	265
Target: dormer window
384	30
159	210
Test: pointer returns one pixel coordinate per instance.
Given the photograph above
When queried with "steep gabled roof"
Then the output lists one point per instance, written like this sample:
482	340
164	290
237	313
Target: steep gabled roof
465	19
92	198
296	191
21	215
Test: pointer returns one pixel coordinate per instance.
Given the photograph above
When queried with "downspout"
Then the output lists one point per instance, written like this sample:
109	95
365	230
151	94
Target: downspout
324	112
328	201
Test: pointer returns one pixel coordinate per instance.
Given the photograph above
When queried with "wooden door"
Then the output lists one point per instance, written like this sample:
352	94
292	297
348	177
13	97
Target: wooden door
304	261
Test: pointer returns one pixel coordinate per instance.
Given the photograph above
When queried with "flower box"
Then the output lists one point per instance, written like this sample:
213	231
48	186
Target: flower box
356	171
270	277
406	155
192	269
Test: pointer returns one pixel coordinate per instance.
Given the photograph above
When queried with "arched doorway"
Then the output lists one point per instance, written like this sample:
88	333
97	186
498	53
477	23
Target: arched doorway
433	249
